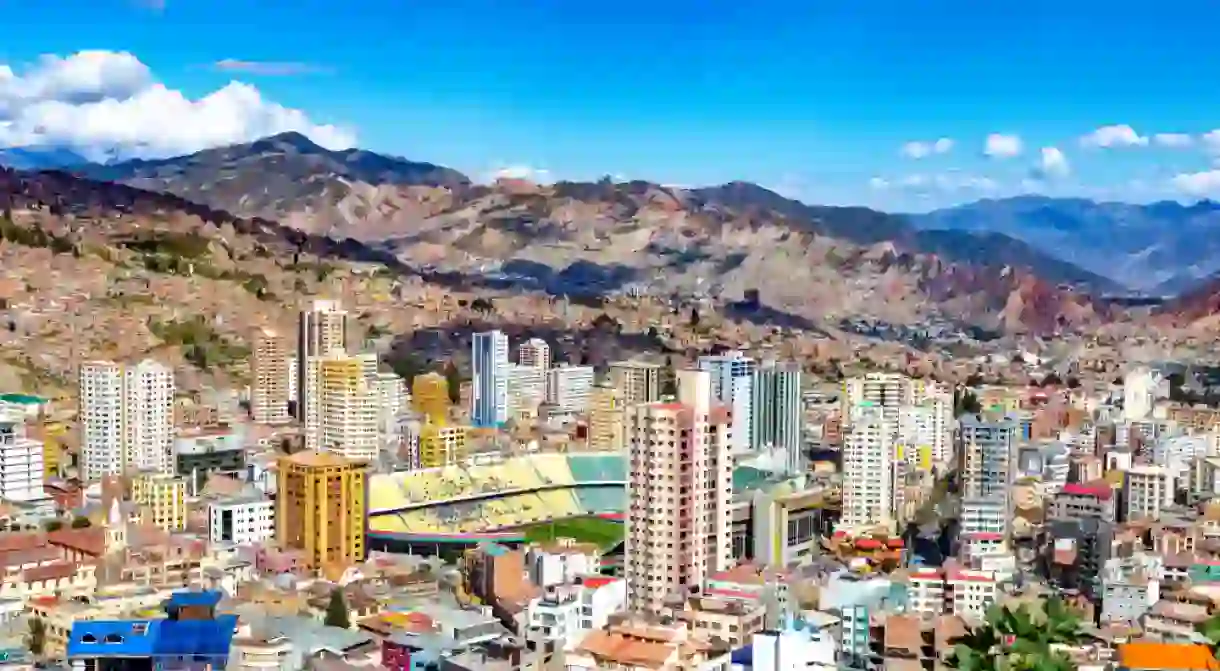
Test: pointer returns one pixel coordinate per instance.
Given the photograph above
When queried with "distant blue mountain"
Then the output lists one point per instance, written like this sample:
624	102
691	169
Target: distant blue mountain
40	158
1160	248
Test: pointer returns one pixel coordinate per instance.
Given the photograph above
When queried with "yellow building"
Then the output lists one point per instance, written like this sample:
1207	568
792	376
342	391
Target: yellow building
161	499
605	418
441	445
430	397
320	508
52	448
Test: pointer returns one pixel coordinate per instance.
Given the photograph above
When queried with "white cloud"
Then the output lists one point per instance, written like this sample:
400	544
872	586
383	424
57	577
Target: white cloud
1173	140
999	145
535	175
920	149
1197	184
878	183
1053	163
103	103
1211	141
1119	135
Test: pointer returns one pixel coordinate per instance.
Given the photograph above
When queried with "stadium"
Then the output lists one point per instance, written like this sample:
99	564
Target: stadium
428	510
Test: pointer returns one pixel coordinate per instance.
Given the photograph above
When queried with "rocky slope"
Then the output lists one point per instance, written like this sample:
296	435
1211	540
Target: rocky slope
820	263
1161	248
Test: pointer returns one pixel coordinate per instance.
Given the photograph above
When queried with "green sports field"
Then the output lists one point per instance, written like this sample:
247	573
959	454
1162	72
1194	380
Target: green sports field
605	533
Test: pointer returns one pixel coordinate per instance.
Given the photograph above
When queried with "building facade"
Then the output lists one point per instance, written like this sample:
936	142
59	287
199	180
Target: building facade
489	379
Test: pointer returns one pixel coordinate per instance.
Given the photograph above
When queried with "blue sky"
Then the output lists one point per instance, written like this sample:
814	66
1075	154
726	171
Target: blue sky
815	99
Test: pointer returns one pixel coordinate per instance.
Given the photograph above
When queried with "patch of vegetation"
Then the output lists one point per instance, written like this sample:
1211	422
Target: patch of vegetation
200	343
190	245
34	236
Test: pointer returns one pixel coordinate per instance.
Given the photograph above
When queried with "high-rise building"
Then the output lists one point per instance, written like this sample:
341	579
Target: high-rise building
161	499
888	391
350	410
392	399
868	467
733	385
320	508
101	419
320	330
605	418
678	495
270	372
430	397
534	353
526	388
987	454
489	379
926	433
21	465
127	418
777	417
567	387
1147	491
637	381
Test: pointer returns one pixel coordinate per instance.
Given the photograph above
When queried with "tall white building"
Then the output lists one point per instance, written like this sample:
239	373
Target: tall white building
868	467
926	432
988	472
733	385
242	520
320	330
489	379
679	484
534	353
1139	393
1147	490
526	388
568	387
126	417
777	410
21	469
350	409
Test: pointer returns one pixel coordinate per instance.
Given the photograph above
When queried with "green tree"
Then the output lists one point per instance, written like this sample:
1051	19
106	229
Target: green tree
337	614
966	403
36	639
453	378
1210	629
81	523
1018	639
53	525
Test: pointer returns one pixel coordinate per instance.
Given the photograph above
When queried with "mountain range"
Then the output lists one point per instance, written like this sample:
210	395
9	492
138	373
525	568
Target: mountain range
1022	263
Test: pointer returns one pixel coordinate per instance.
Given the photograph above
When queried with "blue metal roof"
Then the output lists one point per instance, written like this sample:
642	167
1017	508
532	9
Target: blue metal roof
152	638
193	598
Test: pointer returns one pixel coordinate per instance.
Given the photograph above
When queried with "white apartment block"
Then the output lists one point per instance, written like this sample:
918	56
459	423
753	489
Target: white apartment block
868	468
534	353
101	419
889	391
566	613
126	417
926	432
241	521
526	388
568	387
21	467
393	399
1147	490
679	493
321	330
966	593
733	385
989	467
271	374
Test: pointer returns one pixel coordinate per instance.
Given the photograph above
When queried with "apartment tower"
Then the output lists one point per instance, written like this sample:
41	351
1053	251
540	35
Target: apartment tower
987	456
320	508
680	470
489	379
637	381
777	416
534	353
350	409
127	418
733	385
320	329
270	370
868	468
605	418
430	397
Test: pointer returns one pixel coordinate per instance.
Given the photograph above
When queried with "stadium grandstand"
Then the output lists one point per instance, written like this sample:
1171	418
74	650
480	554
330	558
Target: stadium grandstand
464	504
